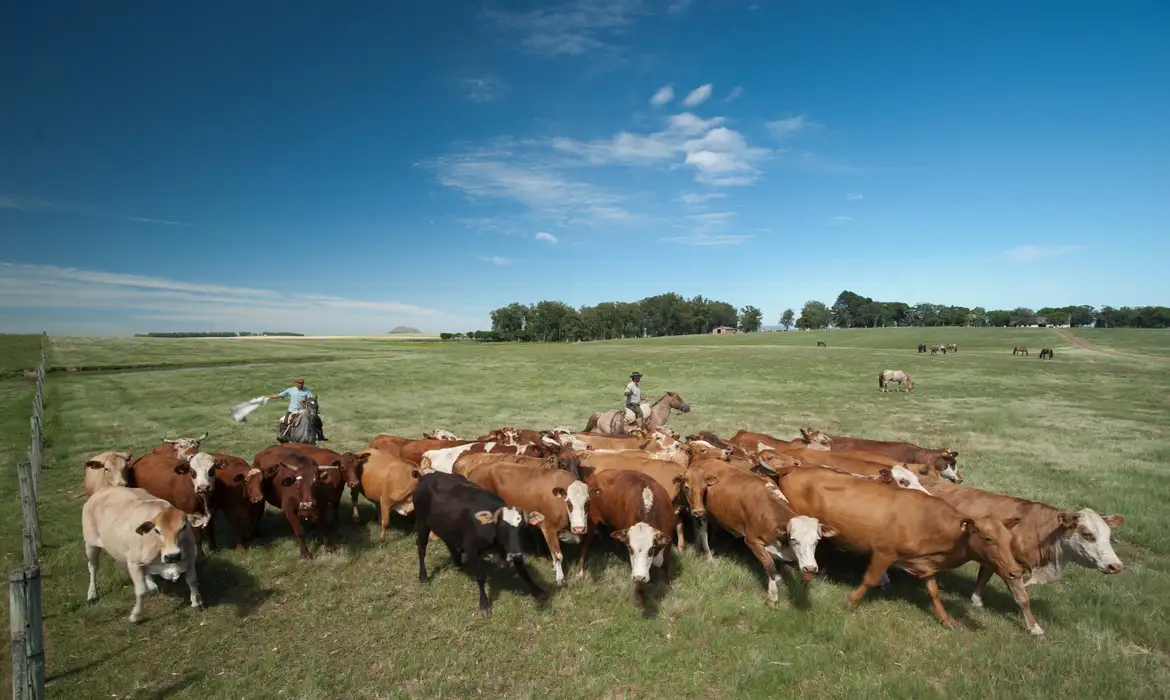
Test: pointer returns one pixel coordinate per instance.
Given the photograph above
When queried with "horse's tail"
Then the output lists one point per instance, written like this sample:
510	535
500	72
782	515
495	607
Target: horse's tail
881	380
592	422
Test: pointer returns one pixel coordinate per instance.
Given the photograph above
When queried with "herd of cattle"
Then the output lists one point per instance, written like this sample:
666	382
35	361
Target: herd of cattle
902	505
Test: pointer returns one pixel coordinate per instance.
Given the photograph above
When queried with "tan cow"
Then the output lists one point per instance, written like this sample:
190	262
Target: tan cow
555	494
147	534
108	468
388	481
389	443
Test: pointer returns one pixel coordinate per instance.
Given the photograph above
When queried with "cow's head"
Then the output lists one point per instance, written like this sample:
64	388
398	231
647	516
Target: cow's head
694	487
440	434
351	467
115	467
801	535
991	541
945	462
816	439
576	499
296	482
645	544
772	462
508	522
253	483
185	448
167	527
201	468
1087	537
907	479
701	449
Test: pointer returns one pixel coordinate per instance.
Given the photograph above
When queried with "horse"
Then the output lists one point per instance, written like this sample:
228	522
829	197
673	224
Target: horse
951	347
922	347
936	349
821	344
895	375
1046	353
620	421
1019	350
302	424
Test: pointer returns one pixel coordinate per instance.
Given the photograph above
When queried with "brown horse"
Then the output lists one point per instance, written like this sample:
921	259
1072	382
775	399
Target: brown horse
620	421
894	375
1046	353
1019	350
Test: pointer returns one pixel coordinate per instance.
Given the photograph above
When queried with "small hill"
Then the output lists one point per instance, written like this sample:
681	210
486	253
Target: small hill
405	330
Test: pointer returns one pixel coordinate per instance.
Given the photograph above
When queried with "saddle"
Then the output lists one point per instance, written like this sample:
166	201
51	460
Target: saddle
631	419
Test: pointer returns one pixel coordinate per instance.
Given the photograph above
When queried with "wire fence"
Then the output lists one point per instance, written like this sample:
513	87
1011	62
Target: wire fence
24	585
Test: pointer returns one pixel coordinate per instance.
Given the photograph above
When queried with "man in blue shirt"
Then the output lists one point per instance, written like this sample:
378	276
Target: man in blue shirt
296	395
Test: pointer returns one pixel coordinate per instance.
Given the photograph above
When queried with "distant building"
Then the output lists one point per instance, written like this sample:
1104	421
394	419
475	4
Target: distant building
723	330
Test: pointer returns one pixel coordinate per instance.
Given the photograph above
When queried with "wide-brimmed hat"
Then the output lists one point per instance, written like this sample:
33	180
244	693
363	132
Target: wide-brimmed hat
636	375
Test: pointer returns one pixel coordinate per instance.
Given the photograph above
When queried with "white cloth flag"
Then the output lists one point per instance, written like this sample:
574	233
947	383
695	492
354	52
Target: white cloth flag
241	411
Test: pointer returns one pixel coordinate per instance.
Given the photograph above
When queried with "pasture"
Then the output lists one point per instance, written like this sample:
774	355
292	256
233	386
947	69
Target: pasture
1086	429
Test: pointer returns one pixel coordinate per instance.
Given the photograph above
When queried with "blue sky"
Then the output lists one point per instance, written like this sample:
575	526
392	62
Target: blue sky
349	167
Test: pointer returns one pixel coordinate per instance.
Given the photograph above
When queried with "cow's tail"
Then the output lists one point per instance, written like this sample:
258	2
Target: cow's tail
592	422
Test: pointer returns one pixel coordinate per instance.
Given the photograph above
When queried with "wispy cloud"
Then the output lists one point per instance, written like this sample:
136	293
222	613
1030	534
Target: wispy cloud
698	96
838	220
662	95
1031	253
154	303
144	220
852	197
709	229
708	239
545	236
22	203
495	260
679	6
569	28
782	129
697	198
734	94
484	88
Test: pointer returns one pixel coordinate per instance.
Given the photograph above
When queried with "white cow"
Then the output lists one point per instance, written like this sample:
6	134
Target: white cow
149	535
108	468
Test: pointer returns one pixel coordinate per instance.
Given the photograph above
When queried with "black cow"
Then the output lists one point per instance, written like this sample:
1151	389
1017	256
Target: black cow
472	522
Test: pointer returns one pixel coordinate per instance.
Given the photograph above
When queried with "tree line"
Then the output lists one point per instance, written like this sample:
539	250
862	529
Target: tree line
672	314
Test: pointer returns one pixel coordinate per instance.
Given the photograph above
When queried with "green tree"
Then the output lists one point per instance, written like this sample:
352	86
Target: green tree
750	319
787	318
999	318
814	314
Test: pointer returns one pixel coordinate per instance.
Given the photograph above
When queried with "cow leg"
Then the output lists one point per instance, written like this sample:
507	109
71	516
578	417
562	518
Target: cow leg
139	578
209	531
323	520
193	584
584	549
151	584
554	549
701	536
424	537
456	557
1020	594
981	580
383	518
760	550
485	605
92	554
199	554
681	543
353	498
878	563
294	521
522	570
939	612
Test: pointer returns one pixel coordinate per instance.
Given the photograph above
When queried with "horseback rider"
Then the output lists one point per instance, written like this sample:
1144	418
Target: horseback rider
296	396
634	398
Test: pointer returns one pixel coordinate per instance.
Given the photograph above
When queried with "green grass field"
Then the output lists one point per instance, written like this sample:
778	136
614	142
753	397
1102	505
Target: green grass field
1087	429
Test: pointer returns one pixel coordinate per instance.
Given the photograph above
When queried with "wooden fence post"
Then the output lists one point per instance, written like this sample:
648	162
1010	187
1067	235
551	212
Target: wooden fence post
24	611
31	524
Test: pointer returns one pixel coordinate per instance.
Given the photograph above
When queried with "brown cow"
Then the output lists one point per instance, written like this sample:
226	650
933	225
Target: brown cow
555	494
187	486
590	441
350	465
290	484
899	527
641	516
942	460
443	459
844	460
179	448
107	468
239	494
414	450
389	443
752	507
750	442
466	463
668	475
1045	541
388	482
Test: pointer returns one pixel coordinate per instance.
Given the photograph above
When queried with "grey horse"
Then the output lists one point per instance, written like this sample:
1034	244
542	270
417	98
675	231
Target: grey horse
302	425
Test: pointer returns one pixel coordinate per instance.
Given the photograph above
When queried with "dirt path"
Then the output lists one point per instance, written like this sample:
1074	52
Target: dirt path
1092	347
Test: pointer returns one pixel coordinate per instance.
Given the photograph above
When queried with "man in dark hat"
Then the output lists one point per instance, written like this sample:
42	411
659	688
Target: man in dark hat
634	398
296	395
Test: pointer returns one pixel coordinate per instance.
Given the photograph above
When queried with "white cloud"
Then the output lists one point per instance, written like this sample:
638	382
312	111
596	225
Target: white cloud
707	239
544	236
570	28
138	303
785	128
696	198
1031	253
662	95
484	89
709	229
144	220
698	96
495	260
734	94
852	197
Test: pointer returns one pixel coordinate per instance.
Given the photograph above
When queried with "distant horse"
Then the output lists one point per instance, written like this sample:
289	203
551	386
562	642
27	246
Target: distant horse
821	344
936	349
922	347
1019	350
952	348
302	424
895	375
1046	353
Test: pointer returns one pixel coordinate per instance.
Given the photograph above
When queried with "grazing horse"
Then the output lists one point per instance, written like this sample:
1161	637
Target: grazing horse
922	347
821	344
620	421
1046	353
936	349
895	375
1019	350
302	424
951	347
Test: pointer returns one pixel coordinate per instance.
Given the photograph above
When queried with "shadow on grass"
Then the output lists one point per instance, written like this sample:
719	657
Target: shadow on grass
81	668
604	551
223	582
173	687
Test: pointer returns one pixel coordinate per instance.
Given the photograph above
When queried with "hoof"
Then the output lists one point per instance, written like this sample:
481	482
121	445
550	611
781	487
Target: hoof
1036	631
484	612
976	601
91	601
